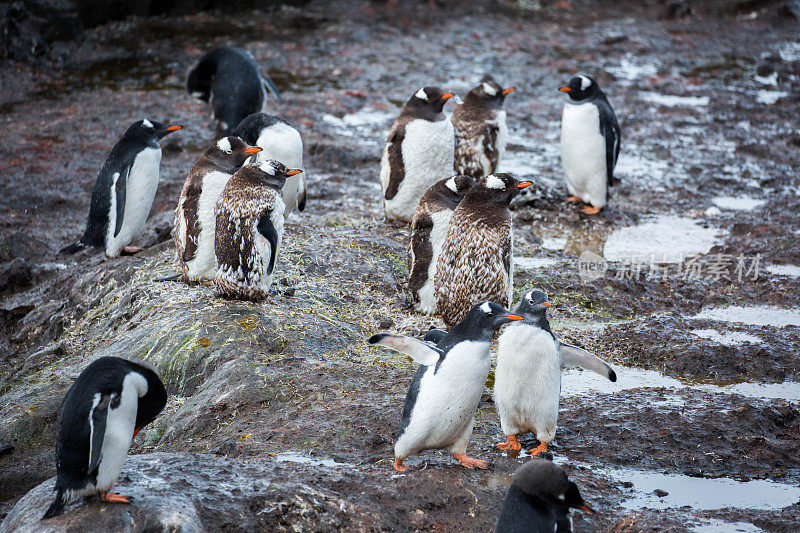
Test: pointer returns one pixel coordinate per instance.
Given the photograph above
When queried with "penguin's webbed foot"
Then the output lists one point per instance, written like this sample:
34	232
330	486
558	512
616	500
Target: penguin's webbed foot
511	445
207	283
469	462
113	497
399	466
542	447
573	199
590	210
130	250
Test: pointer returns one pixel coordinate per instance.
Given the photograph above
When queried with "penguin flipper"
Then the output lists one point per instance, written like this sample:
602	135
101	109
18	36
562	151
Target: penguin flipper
575	356
72	248
120	189
434	335
266	229
97	431
270	85
420	352
301	198
57	507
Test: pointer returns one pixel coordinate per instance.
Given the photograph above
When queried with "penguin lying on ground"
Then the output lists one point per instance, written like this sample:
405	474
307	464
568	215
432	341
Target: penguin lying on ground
475	263
228	79
441	401
418	152
278	140
250	229
195	220
124	190
539	500
590	138
103	410
428	230
527	380
481	131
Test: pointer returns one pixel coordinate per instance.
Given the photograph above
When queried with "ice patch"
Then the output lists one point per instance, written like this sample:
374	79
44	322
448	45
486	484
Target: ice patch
554	243
729	338
753	316
770	97
531	263
628	70
666	238
718	526
739	203
792	271
669	100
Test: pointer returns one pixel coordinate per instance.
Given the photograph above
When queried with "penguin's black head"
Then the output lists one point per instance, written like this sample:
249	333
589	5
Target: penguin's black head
543	480
150	130
533	304
459	185
580	88
230	152
500	187
274	172
488	92
428	99
482	320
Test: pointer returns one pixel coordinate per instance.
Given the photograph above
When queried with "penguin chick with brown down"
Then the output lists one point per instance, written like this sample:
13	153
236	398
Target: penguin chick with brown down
250	216
428	230
195	220
481	131
475	263
418	152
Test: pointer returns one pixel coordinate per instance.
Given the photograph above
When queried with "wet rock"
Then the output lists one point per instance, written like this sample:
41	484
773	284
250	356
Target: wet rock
660	493
15	276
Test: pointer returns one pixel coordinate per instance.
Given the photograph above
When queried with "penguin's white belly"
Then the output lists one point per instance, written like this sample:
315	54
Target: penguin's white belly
527	381
204	266
282	142
427	293
447	400
583	153
502	138
140	191
118	436
428	150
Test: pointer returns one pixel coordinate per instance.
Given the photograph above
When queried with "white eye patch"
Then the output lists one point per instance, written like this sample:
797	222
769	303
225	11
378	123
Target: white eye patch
493	182
585	82
147	124
422	95
225	145
267	167
486	308
451	184
488	89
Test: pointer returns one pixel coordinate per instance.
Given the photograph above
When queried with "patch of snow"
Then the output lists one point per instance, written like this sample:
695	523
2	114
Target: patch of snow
670	100
728	338
770	97
754	316
738	203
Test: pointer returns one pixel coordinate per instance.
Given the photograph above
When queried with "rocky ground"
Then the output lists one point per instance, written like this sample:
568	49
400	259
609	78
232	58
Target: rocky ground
280	415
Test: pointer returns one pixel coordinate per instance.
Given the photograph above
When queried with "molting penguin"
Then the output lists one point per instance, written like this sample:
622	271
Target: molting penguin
481	131
228	79
476	259
590	139
418	152
124	190
527	382
441	401
428	229
250	229
195	220
278	140
539	500
105	408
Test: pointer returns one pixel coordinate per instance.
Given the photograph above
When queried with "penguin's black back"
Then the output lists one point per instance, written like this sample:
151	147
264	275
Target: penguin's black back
609	128
250	128
522	513
411	400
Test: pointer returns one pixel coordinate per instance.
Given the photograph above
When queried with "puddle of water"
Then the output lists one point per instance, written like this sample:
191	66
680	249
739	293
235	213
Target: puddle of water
792	271
493	480
666	238
531	263
669	100
728	338
770	97
299	458
739	203
718	526
633	165
753	316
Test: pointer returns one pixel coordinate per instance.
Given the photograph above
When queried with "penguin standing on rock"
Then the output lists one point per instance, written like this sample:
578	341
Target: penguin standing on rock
440	404
428	230
250	229
476	258
539	500
278	140
590	139
481	131
418	152
124	190
195	220
527	382
228	79
105	408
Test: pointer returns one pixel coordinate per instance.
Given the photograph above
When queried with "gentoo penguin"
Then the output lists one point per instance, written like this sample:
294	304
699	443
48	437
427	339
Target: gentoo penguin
539	500
418	152
195	220
124	190
103	410
278	140
428	229
250	229
481	131
590	139
527	380
228	79
440	404
475	261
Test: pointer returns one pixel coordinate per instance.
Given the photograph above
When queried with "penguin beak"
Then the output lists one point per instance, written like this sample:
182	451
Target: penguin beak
588	509
174	128
135	431
293	172
252	150
547	304
564	89
513	317
523	184
509	90
445	96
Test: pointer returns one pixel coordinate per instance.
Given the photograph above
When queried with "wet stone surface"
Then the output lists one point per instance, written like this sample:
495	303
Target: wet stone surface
280	415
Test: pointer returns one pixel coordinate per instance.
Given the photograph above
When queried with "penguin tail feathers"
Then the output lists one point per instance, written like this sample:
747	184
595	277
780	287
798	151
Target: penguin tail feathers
72	248
57	506
174	277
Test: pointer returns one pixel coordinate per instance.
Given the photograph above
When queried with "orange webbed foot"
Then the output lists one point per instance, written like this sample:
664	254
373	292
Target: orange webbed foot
590	210
469	462
511	445
542	447
113	497
399	466
573	199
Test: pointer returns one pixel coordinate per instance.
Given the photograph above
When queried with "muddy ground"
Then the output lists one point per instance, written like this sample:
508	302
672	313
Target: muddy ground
708	108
